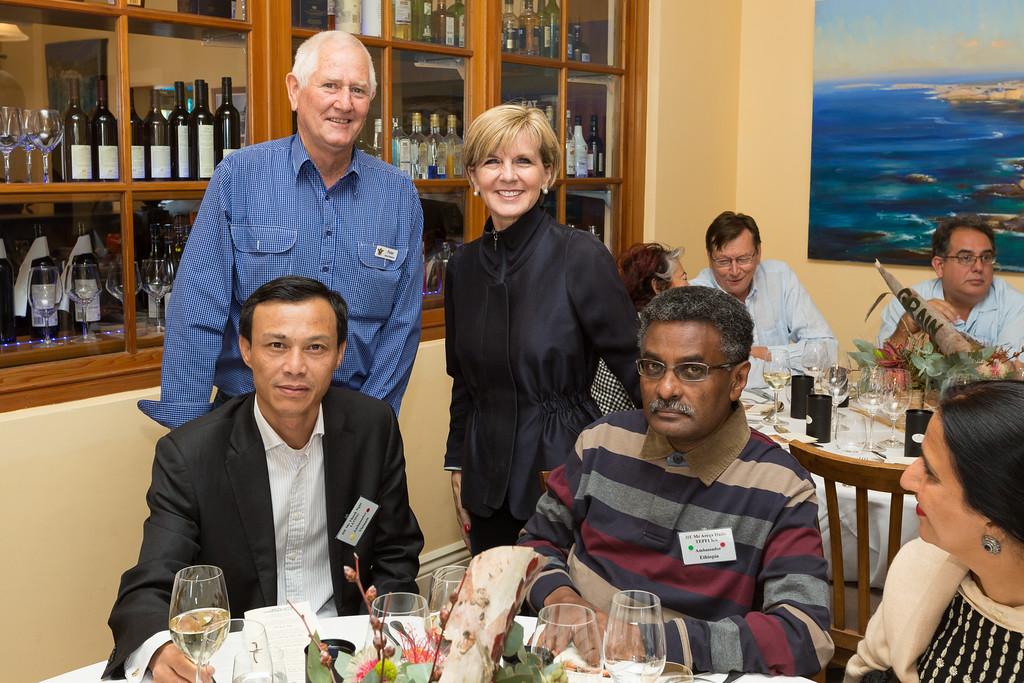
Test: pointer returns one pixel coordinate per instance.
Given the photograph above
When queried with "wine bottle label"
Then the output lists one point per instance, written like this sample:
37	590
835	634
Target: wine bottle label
81	162
138	162
154	307
600	164
584	56
90	313
39	321
348	18
547	38
462	30
590	163
228	151
449	31
160	162
205	141
183	153
405	157
108	162
403	12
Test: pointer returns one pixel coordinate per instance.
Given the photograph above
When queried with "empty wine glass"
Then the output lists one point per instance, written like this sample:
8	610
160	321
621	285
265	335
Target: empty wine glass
869	395
199	613
895	401
45	294
46	129
633	650
83	290
837	380
815	358
157	278
26	143
777	375
444	582
10	136
568	634
404	616
115	279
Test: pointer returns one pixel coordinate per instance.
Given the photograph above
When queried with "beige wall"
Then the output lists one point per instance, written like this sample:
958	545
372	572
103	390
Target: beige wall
72	503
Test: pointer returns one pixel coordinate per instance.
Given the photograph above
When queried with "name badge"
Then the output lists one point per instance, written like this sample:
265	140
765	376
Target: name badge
707	545
386	253
357	521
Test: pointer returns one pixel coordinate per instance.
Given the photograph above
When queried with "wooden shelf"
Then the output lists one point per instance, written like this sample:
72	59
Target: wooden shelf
547	62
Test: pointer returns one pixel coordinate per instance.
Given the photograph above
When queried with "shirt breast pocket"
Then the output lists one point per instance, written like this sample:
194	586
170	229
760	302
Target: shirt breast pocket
262	253
373	292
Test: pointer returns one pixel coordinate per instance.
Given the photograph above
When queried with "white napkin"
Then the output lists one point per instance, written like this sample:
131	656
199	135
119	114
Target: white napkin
40	248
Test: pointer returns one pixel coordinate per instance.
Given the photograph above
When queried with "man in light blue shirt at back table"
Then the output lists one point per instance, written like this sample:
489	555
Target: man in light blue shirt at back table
785	317
310	204
965	290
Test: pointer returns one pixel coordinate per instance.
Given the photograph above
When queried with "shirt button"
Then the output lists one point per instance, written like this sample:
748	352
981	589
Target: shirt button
329	233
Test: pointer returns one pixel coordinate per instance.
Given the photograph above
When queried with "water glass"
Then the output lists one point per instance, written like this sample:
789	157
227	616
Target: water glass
633	650
869	396
837	381
10	136
851	432
45	130
45	294
254	661
569	634
83	290
443	583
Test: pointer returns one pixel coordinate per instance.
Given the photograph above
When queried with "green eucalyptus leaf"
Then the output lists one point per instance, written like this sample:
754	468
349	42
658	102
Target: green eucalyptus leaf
315	671
864	346
416	673
513	639
372	676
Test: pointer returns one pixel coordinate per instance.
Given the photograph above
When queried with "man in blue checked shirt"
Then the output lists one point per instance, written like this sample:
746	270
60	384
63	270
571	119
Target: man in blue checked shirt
313	205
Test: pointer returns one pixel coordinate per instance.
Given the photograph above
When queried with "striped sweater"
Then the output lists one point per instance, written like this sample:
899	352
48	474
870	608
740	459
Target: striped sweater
611	520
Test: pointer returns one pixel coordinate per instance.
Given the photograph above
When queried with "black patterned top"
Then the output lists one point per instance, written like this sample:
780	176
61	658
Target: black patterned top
608	392
970	647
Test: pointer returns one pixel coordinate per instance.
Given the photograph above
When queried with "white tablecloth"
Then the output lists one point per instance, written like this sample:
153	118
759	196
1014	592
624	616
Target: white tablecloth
878	503
352	629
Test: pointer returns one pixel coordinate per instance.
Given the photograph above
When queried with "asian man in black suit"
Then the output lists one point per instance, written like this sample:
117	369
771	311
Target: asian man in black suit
261	486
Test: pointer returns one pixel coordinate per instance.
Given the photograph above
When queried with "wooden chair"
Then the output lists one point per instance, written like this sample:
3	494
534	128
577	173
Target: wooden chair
864	476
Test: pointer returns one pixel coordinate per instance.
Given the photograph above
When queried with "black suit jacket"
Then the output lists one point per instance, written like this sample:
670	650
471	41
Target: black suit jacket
209	503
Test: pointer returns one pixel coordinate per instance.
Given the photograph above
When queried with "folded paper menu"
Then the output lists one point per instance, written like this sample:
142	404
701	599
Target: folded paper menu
286	632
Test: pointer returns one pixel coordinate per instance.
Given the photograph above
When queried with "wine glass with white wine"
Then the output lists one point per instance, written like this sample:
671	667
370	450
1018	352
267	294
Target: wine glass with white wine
777	375
199	614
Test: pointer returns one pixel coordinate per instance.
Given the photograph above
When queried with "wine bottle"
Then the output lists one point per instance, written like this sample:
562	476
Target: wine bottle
377	149
423	20
158	141
530	29
83	245
77	137
7	333
39	322
104	136
180	122
444	28
579	148
550	21
350	16
227	124
454	148
509	29
138	131
418	148
595	151
403	19
435	162
201	133
401	148
457	15
570	148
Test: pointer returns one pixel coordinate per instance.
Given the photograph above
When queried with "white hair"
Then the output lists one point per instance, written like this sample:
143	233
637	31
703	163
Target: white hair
307	57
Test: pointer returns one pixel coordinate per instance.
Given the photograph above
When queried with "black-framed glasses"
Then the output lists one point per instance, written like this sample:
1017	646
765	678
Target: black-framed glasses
967	259
691	371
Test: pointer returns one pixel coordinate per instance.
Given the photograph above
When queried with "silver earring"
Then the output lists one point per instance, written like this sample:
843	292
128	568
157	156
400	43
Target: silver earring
991	544
544	190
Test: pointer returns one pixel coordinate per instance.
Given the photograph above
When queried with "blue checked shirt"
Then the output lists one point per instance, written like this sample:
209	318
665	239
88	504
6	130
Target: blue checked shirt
266	213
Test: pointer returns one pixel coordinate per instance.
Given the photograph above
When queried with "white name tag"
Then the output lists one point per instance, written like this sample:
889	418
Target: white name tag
357	521
707	545
386	253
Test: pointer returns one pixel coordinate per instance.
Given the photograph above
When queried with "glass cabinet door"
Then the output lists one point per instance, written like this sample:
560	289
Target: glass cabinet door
593	103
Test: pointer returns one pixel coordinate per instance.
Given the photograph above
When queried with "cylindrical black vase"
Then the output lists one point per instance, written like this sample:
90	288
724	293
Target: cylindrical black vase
917	423
800	386
819	414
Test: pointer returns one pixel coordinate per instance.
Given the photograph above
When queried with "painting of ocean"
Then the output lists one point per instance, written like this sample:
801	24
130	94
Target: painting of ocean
899	143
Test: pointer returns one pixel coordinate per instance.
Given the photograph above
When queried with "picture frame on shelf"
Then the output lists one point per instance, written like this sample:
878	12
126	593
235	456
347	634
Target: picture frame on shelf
82	59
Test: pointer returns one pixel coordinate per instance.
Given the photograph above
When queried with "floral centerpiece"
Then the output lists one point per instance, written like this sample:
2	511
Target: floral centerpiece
466	642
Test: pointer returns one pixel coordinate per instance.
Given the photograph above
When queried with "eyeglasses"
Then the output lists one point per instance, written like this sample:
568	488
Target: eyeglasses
684	372
723	262
967	259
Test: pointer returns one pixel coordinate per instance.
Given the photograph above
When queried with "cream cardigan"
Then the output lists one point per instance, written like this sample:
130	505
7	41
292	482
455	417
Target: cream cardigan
918	588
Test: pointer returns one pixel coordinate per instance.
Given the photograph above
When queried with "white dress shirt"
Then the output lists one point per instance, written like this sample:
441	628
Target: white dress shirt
784	315
299	503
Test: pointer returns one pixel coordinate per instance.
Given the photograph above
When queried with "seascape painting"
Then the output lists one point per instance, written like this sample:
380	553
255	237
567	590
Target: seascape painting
918	115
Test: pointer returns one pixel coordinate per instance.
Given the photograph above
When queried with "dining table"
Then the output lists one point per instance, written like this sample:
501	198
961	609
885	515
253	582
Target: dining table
758	406
354	628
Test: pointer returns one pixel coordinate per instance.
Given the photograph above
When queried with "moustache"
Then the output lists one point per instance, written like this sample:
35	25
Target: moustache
672	405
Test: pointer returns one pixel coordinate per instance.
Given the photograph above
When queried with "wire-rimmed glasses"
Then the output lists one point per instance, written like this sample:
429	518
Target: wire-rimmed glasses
10	136
45	130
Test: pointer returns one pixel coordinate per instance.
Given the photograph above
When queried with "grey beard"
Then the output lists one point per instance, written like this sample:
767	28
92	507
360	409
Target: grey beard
661	404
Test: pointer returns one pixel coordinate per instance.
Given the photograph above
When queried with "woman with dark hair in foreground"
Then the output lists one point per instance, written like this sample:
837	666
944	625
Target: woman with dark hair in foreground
953	607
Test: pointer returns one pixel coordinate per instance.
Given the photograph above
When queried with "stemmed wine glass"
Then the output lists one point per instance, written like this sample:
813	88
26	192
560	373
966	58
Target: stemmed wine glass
777	375
45	295
26	143
45	130
895	401
568	633
10	136
85	287
633	650
814	359
404	618
199	615
444	582
837	380
157	278
869	394
115	280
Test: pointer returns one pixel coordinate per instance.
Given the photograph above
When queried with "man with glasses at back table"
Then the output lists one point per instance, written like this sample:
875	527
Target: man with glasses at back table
683	500
965	291
785	317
